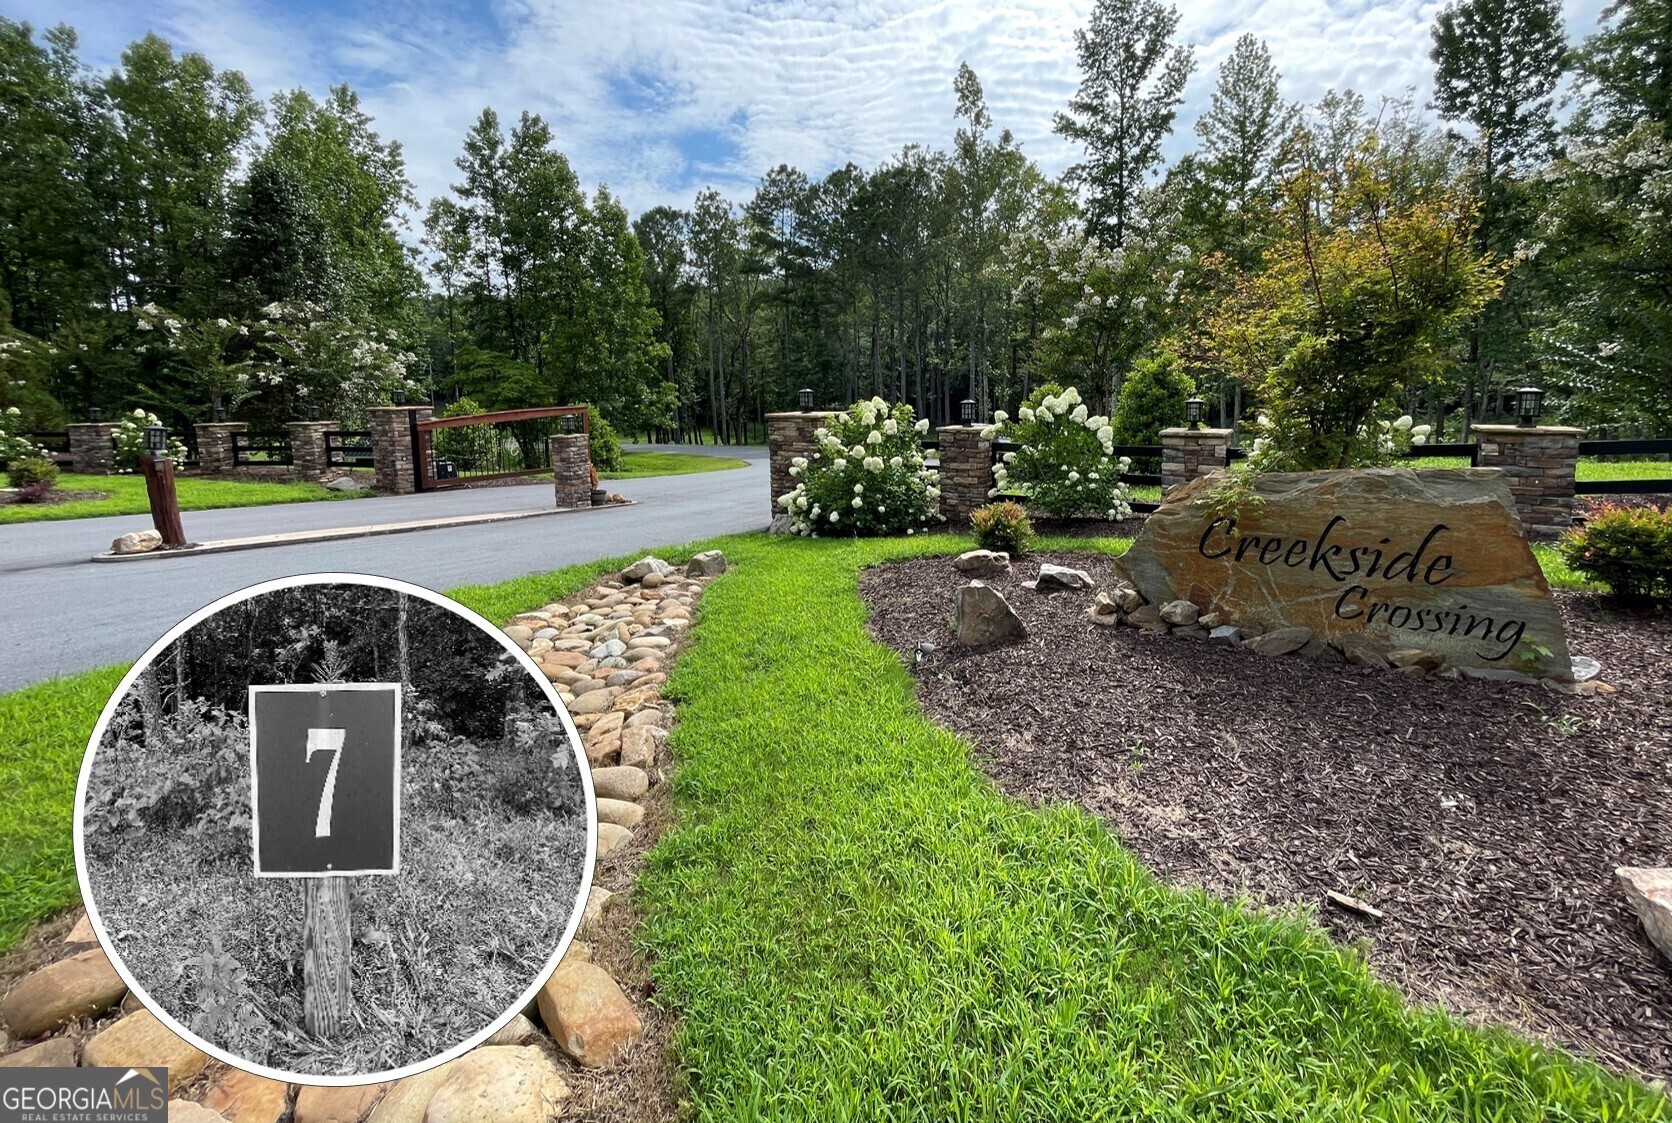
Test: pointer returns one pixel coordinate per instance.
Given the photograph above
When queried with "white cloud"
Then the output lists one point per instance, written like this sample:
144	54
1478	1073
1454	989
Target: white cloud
812	83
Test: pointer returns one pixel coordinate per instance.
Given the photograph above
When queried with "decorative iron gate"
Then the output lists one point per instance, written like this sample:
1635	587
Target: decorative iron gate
459	451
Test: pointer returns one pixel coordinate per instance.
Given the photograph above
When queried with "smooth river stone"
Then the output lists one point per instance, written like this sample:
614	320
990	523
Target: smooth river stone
1464	580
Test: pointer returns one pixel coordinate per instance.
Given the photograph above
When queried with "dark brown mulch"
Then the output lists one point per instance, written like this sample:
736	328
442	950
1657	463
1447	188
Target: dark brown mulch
1485	820
51	498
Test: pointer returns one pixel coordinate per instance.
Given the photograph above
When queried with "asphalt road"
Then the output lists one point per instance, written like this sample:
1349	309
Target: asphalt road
61	613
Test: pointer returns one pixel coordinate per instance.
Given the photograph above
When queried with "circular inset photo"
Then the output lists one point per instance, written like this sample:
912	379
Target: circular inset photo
335	828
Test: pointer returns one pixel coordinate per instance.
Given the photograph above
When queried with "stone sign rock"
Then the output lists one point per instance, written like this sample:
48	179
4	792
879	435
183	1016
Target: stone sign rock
1433	559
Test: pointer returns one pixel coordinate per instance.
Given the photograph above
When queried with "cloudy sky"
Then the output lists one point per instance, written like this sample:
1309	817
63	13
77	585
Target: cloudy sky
659	98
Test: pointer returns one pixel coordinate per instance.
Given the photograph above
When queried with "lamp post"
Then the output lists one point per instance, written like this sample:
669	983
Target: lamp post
567	424
805	398
158	470
966	411
1529	403
220	413
398	396
313	413
95	414
1193	411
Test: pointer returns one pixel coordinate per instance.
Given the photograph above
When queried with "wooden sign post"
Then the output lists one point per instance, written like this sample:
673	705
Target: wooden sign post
325	796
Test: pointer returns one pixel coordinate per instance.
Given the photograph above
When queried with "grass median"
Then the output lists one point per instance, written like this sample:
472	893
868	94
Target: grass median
125	495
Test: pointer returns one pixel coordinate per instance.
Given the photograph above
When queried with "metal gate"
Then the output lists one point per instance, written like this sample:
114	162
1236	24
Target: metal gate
460	451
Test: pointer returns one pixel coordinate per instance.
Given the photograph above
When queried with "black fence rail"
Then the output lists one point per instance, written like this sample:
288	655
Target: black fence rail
260	450
348	448
1631	448
55	442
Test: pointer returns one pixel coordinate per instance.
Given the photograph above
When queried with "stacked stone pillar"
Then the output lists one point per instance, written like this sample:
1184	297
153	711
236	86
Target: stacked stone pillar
90	447
966	473
394	458
214	445
789	435
307	446
1539	462
1189	453
572	469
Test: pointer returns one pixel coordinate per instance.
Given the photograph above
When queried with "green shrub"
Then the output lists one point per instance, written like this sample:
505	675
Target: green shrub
1002	526
1151	399
470	447
32	470
13	444
604	445
1627	548
1066	463
867	476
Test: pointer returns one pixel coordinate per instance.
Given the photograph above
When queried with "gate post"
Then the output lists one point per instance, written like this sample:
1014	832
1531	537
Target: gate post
789	435
394	459
1540	463
307	446
572	469
214	444
966	474
1188	453
90	451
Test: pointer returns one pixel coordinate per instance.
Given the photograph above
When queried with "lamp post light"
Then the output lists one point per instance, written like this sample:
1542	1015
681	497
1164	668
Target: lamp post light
398	396
313	413
158	470
95	414
966	411
1529	403
220	413
806	399
567	424
1193	411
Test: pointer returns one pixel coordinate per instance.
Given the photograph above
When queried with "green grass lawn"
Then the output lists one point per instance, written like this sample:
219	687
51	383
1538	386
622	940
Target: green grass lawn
637	465
851	922
126	496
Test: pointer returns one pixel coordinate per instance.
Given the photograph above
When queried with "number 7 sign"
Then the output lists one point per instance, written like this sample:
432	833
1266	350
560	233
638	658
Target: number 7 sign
325	766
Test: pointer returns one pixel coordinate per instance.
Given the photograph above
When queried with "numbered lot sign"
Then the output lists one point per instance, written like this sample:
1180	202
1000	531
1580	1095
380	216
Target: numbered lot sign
325	767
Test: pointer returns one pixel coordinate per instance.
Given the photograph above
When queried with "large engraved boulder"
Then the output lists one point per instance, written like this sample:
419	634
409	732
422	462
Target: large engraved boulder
1435	560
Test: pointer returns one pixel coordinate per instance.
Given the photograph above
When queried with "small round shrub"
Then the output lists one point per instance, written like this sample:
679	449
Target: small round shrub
1066	464
31	471
867	476
1151	399
1002	526
1629	549
604	444
14	446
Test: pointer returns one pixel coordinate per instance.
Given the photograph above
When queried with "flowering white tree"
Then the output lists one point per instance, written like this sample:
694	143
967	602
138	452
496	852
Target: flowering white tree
867	476
1066	464
340	365
212	355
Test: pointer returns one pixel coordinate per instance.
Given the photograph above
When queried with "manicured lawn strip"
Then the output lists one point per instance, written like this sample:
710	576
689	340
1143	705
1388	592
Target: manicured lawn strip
127	497
1597	470
44	728
638	465
852	923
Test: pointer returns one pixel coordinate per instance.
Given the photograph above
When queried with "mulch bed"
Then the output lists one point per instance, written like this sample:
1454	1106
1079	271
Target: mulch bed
1485	820
51	499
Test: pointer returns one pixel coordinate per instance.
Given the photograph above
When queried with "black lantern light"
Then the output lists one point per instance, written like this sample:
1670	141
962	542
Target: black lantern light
94	413
220	413
398	396
806	397
156	441
1529	403
966	411
1193	411
313	413
568	423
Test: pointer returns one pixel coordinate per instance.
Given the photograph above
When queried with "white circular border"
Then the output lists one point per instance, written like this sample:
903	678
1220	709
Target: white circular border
295	581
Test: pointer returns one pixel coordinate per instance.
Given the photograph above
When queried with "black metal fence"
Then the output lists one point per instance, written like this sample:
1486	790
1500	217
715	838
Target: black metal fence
55	442
348	448
260	450
455	451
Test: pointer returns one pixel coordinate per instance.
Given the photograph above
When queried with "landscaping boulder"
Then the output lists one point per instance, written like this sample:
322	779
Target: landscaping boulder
1180	613
141	1039
781	524
1225	635
185	1111
588	1016
54	1052
1428	661
1055	578
611	837
137	542
1126	597
349	483
1281	641
244	1097
336	1105
1104	610
1362	651
644	565
983	563
985	617
1650	893
499	1084
78	987
621	812
709	563
619	782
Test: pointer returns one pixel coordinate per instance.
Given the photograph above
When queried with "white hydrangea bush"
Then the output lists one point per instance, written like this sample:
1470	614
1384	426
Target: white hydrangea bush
130	442
867	476
14	446
1065	464
1379	444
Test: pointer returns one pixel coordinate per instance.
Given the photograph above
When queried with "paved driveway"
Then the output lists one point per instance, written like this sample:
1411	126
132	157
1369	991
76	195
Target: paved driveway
63	613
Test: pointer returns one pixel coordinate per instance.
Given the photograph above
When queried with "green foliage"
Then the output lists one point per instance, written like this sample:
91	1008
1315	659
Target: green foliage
1627	548
469	446
14	446
867	476
1065	463
1002	526
130	442
1347	314
31	471
603	443
1151	399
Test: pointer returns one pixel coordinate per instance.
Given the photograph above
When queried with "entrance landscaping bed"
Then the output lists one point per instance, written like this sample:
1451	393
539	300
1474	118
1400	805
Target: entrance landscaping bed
1484	820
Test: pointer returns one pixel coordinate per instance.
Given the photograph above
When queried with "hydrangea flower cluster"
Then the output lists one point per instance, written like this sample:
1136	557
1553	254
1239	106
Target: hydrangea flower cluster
1066	464
14	446
867	476
130	442
1378	445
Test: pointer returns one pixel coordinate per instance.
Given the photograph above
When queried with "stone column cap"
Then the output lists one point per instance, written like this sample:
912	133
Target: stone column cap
93	425
220	425
1200	434
973	427
795	413
320	424
1502	431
